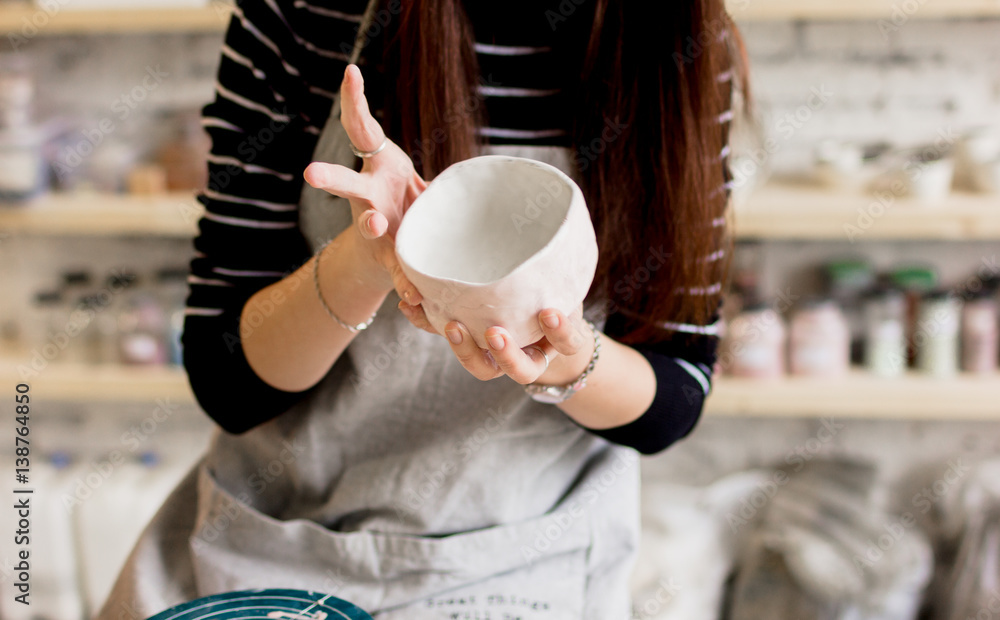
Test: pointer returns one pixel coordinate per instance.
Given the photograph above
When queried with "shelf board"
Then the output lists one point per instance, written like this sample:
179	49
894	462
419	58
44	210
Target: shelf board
770	10
772	212
28	20
805	212
91	214
859	395
82	383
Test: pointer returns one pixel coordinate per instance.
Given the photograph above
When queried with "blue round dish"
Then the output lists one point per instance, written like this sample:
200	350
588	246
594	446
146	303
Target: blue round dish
265	605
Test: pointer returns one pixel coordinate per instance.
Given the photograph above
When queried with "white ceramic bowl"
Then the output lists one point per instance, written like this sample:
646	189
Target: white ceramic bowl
494	240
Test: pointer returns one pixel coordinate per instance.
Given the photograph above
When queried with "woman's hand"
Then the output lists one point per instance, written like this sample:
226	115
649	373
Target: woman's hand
379	195
567	342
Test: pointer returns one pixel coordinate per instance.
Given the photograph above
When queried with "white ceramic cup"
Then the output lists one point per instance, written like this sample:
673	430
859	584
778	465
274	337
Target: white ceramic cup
495	240
930	182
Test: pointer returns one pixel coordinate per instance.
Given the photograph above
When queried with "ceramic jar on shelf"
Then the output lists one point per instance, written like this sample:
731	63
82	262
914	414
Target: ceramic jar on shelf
755	344
820	342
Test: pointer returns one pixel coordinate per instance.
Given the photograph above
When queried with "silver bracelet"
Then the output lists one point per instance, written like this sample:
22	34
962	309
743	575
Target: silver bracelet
553	394
351	328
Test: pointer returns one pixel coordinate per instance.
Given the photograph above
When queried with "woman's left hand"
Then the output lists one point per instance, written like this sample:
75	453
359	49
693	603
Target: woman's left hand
567	342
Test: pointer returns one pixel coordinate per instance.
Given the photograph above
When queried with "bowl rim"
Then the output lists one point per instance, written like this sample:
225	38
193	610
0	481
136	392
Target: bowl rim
575	191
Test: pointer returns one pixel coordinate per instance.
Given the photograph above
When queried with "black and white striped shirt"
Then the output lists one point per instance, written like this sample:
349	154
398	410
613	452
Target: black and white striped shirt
281	63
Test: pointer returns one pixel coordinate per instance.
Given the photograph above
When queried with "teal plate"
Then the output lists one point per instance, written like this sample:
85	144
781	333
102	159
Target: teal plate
265	605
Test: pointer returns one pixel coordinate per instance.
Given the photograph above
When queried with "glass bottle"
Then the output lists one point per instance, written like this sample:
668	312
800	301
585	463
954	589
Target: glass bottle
105	327
88	342
915	281
142	326
107	322
885	332
46	318
76	289
23	168
182	158
76	283
172	288
847	280
937	334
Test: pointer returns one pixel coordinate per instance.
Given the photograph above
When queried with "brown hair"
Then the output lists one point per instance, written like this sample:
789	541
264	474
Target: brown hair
650	69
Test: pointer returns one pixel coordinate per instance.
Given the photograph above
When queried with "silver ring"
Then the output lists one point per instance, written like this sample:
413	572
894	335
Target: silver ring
369	154
539	349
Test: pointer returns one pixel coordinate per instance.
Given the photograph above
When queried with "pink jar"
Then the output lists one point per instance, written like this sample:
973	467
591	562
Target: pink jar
820	343
755	344
980	334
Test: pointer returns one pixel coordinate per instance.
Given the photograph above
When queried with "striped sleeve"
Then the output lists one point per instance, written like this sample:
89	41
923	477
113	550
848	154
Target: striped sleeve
683	367
683	364
272	97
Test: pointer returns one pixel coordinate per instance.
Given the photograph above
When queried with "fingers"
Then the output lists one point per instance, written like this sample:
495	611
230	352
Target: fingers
361	127
416	316
338	180
341	181
406	290
372	224
522	365
566	336
479	362
416	187
410	296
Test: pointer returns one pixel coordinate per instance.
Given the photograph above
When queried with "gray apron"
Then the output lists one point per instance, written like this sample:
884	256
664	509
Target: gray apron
402	484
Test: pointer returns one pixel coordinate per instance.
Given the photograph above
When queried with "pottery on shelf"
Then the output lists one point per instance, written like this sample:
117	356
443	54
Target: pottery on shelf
494	240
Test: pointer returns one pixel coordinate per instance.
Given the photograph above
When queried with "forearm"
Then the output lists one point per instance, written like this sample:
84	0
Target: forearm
288	338
619	390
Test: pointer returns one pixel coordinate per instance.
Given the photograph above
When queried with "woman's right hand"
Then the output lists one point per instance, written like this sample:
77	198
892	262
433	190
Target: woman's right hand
379	195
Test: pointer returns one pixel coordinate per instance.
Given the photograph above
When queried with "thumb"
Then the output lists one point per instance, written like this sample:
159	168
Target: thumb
372	224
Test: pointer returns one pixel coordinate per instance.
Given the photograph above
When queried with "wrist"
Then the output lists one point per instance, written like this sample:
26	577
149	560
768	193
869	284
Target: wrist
357	254
564	369
348	294
555	393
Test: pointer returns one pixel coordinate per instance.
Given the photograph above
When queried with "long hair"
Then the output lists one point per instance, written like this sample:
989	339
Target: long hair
656	75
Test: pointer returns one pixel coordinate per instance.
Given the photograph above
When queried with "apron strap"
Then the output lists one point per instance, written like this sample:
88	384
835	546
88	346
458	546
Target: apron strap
323	216
361	40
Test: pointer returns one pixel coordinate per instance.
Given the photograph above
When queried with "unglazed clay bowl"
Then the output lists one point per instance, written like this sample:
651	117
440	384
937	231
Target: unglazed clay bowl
495	240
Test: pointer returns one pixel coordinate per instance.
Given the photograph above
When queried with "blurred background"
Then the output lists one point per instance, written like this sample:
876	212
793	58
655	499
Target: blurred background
844	467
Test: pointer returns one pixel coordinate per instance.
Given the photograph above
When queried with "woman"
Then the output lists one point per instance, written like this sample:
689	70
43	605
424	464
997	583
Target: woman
408	471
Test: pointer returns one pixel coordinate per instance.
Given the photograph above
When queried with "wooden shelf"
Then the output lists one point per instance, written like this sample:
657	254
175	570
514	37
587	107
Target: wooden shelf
859	395
28	20
773	212
769	10
81	383
805	212
87	214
